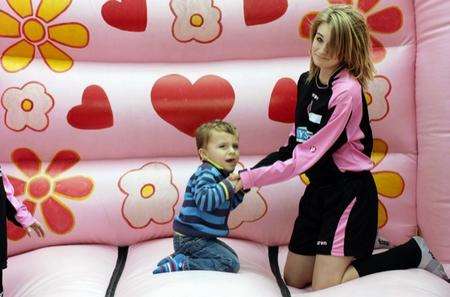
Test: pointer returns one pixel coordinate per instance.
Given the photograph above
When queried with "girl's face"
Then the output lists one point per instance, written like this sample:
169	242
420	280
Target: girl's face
319	49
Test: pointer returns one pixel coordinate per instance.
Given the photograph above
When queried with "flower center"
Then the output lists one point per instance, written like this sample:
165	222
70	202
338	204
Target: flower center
197	20
27	104
368	98
34	31
147	191
39	187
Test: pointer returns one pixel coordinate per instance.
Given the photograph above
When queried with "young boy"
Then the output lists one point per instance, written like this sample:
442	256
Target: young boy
208	200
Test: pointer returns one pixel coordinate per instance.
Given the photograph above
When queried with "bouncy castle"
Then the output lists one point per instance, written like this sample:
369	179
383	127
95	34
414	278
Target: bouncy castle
100	100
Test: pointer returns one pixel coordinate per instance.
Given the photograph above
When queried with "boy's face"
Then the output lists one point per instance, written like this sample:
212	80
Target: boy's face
222	149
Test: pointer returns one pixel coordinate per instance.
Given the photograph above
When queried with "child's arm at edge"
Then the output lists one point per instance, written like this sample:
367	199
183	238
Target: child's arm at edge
22	216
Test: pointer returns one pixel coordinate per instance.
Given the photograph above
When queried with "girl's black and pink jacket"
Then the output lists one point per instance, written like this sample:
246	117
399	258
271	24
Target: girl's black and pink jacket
332	129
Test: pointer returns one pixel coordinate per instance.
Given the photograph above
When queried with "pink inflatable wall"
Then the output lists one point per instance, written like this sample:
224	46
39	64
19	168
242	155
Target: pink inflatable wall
100	100
433	123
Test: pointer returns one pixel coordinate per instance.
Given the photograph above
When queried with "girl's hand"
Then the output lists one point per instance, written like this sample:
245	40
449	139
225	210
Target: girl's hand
37	228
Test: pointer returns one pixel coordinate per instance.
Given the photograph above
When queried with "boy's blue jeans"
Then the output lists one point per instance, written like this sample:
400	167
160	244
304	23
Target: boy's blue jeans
206	254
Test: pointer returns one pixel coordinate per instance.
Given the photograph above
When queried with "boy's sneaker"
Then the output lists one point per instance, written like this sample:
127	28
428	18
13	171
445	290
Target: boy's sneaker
164	261
428	261
172	264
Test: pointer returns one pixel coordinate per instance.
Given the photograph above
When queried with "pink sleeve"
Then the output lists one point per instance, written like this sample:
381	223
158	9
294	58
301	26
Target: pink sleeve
23	216
305	154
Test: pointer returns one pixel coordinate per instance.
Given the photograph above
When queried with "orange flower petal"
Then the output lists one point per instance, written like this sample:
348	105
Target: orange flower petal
55	58
18	185
76	187
24	8
27	161
389	184
305	25
62	161
378	50
58	217
48	10
388	20
18	56
382	215
366	5
69	34
16	233
9	26
379	151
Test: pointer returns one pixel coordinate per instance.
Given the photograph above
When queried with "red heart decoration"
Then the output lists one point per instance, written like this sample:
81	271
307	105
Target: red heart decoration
94	112
127	15
258	12
186	106
283	101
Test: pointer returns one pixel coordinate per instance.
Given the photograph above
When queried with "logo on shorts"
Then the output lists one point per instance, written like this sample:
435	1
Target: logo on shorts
322	243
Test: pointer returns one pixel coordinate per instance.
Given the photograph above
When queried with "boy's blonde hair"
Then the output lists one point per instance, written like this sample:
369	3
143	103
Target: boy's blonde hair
203	132
349	41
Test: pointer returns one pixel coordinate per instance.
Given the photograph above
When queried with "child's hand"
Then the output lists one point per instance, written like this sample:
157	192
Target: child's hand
236	180
36	227
234	177
238	185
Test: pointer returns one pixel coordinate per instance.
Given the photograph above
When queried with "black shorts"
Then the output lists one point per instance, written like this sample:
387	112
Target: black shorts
338	218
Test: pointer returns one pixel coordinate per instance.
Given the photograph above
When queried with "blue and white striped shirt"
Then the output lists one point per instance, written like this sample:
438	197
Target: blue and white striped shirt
208	200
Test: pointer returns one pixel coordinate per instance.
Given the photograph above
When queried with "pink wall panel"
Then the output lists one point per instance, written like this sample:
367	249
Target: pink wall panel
433	124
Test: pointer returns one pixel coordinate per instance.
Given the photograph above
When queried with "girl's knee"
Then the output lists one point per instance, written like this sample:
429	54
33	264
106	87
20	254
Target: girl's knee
320	286
324	283
295	281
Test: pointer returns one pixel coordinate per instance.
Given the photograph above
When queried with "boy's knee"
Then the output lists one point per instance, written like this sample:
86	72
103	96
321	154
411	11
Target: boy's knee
233	265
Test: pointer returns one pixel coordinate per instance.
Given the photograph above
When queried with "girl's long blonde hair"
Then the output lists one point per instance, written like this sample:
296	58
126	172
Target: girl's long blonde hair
349	41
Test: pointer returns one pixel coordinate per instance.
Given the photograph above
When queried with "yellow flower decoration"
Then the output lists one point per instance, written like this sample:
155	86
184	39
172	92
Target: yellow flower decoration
34	31
389	184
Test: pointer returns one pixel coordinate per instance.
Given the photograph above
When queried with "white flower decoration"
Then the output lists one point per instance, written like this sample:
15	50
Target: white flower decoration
27	107
253	208
150	195
197	20
376	97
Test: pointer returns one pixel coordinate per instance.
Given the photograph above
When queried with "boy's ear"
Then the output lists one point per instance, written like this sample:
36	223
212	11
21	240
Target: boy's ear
202	153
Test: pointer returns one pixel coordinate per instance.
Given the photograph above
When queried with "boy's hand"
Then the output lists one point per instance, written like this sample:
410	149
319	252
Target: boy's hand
37	228
236	180
234	177
238	185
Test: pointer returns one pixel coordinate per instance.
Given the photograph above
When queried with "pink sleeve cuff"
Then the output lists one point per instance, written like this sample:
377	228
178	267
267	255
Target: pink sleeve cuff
23	216
26	221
